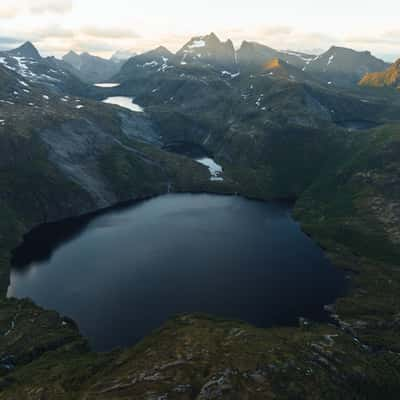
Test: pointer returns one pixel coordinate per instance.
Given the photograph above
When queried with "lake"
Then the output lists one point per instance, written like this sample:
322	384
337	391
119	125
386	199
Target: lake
124	102
358	125
122	273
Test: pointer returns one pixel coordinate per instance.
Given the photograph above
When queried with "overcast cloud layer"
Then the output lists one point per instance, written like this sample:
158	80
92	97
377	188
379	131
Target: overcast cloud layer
101	27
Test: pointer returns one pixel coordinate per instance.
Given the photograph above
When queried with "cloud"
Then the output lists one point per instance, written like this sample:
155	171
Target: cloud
389	37
109	32
49	6
8	9
51	46
53	32
93	46
279	30
9	41
8	12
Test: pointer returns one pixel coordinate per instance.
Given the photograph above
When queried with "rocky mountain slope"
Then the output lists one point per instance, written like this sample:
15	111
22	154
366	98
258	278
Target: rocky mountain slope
91	69
255	55
387	78
50	72
279	133
208	49
337	66
120	56
344	67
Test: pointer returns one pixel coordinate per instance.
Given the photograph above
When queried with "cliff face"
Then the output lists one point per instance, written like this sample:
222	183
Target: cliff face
208	49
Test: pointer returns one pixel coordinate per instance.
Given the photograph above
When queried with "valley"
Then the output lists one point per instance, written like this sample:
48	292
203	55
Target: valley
274	129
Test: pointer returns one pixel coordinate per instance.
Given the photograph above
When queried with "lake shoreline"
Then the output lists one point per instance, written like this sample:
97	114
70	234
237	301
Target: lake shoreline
341	326
42	245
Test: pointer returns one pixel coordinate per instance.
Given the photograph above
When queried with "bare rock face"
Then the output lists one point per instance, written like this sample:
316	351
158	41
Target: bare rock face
208	49
91	69
27	50
343	66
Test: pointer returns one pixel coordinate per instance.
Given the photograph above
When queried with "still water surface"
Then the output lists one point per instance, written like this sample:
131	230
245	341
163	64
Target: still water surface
121	274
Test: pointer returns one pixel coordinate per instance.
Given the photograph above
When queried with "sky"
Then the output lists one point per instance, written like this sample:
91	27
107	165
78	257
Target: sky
102	26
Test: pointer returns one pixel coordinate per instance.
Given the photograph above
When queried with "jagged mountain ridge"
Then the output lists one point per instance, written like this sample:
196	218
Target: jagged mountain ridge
343	66
29	64
26	50
253	55
91	68
208	49
120	56
338	66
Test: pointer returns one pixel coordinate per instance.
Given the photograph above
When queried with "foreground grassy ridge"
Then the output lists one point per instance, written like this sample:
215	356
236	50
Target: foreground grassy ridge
199	357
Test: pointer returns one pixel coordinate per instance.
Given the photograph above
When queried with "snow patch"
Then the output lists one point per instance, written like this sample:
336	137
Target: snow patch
230	74
164	66
23	83
150	64
197	44
214	168
305	57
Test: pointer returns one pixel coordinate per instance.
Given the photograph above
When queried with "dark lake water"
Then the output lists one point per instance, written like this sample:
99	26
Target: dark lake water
121	274
358	125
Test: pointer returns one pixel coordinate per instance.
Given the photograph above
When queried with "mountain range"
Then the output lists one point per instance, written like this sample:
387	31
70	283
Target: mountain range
337	66
284	125
90	68
49	71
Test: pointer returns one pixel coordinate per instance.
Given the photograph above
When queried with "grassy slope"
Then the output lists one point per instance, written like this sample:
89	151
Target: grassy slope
351	198
352	210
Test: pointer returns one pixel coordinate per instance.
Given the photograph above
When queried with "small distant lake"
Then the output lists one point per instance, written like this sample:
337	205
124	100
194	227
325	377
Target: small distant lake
124	102
358	125
123	273
107	85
